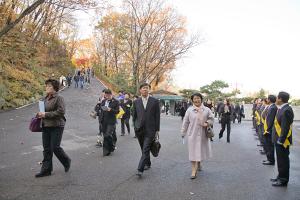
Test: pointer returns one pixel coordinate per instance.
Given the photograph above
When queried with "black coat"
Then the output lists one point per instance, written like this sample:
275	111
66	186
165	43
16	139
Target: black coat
225	117
285	117
146	119
109	117
272	110
126	107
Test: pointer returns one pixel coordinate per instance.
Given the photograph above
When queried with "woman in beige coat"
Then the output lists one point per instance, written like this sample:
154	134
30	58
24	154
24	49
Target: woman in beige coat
196	120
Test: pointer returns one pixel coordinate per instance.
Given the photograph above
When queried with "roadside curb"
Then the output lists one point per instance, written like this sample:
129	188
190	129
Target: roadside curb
24	106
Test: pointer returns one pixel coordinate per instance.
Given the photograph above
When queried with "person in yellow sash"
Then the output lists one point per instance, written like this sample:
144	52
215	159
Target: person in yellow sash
126	104
268	129
257	119
261	111
283	138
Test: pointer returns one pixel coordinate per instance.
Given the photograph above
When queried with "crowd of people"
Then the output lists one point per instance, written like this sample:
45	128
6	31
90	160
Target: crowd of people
272	121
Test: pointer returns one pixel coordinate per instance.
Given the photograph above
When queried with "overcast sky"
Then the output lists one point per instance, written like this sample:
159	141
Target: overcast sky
250	44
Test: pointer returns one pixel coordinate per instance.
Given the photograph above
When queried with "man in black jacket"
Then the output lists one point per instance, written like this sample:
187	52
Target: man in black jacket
126	104
268	129
283	138
109	109
146	118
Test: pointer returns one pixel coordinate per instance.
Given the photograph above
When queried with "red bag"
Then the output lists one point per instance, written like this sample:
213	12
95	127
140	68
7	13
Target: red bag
35	125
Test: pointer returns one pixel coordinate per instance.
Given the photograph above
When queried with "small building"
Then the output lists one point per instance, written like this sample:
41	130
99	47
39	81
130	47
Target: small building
166	97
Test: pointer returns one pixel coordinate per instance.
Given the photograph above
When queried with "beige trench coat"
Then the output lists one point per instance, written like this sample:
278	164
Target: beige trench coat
198	144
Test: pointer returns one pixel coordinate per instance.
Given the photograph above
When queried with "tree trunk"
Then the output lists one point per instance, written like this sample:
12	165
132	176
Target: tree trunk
27	11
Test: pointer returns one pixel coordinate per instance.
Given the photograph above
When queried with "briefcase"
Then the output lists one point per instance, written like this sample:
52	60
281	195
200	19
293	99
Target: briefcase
155	146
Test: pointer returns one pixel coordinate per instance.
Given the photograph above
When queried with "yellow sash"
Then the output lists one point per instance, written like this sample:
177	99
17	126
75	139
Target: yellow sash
257	116
278	131
121	113
264	120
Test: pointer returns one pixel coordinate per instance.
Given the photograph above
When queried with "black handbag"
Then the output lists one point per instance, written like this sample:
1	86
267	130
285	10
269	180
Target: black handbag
209	132
155	146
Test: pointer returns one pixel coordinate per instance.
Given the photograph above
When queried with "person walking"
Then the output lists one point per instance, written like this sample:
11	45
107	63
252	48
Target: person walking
196	120
146	118
109	109
125	104
53	123
225	112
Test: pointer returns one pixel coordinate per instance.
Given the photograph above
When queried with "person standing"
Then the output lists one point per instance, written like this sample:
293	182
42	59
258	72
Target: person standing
146	118
167	108
81	80
126	104
237	111
76	79
69	80
225	112
283	139
53	123
242	113
196	120
268	129
109	109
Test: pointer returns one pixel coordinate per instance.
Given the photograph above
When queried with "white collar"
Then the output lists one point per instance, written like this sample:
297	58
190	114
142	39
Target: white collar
146	98
281	106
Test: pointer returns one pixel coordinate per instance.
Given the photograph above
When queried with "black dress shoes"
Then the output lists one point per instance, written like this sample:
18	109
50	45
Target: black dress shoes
42	174
147	167
139	174
268	163
67	168
279	183
273	179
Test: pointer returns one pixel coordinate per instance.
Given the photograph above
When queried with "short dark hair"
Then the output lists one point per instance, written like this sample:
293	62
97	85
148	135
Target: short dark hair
265	100
272	98
284	96
107	91
145	84
228	101
198	95
54	83
103	90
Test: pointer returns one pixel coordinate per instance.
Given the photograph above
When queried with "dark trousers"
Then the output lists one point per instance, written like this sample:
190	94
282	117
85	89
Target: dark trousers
109	139
239	118
254	122
51	143
261	136
124	122
100	127
283	163
269	147
225	123
145	144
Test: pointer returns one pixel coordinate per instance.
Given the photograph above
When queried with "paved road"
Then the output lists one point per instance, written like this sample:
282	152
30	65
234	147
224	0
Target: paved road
234	172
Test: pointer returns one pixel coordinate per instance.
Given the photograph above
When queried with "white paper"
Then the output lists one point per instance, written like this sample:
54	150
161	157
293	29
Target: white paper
41	106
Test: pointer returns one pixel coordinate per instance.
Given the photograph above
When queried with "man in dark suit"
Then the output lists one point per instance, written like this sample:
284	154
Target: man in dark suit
109	109
146	118
126	104
283	138
268	129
